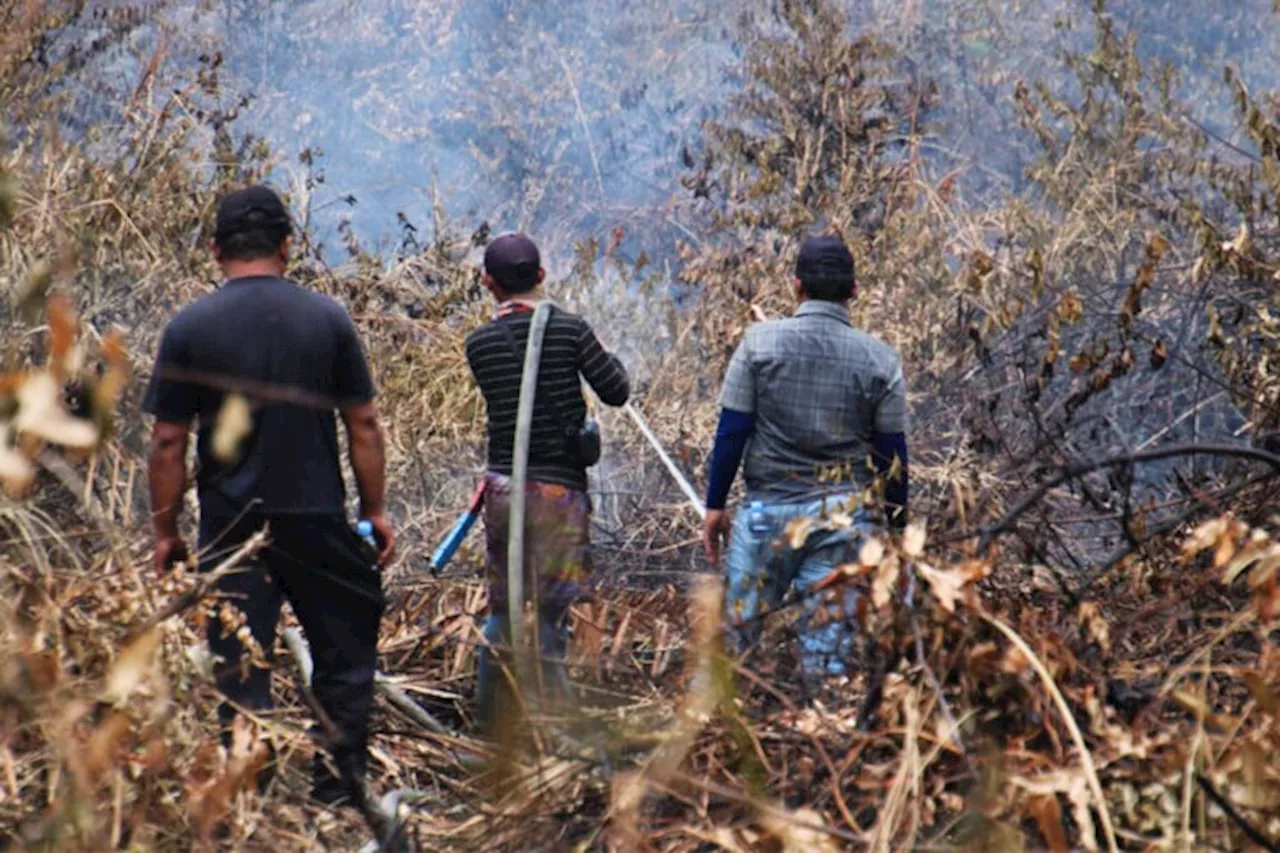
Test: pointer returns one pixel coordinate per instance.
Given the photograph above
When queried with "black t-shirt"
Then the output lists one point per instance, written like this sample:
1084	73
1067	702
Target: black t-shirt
295	356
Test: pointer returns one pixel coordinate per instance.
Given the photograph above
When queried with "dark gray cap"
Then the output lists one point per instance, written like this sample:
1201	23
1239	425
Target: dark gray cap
250	208
512	257
824	257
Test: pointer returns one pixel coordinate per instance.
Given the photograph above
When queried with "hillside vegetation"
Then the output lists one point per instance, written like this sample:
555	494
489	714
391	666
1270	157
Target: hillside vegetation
1075	646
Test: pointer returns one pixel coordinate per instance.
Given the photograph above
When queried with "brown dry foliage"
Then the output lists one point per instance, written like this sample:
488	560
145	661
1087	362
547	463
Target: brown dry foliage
1097	665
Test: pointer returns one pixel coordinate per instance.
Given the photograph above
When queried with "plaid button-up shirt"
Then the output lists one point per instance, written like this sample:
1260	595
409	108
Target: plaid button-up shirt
818	389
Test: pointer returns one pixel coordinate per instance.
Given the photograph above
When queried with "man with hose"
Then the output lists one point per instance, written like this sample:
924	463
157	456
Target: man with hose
818	408
259	367
561	446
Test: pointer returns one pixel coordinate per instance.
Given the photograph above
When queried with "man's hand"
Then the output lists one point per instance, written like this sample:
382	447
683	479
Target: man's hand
715	532
368	460
169	550
385	536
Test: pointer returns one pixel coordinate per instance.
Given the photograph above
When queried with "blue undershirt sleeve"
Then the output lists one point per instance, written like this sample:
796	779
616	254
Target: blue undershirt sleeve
732	434
885	447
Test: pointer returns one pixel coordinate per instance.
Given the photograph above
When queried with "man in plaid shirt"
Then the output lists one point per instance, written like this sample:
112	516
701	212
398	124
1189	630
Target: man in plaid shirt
819	410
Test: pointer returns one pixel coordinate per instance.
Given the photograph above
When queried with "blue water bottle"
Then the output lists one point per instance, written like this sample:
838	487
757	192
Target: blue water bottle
757	519
364	529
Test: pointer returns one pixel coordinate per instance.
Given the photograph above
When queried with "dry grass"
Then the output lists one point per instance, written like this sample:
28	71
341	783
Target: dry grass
1096	668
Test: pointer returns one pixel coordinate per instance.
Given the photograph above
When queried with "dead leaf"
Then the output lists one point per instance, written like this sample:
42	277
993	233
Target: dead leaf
1092	620
16	471
100	751
871	553
248	755
727	839
1242	244
946	186
1043	579
947	585
837	575
798	531
588	636
1197	707
132	668
1205	536
886	578
951	585
1159	355
799	831
1224	551
1070	308
62	335
108	389
155	757
913	539
1266	598
1073	784
982	657
1215	335
1199	269
1263	553
1014	662
1257	790
234	423
43	670
1267	700
41	415
1048	815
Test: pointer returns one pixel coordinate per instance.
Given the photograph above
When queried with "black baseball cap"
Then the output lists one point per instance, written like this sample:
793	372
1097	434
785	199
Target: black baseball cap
252	207
824	257
513	259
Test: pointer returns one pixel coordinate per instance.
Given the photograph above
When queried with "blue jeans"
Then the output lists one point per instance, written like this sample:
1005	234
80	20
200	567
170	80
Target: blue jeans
761	568
491	681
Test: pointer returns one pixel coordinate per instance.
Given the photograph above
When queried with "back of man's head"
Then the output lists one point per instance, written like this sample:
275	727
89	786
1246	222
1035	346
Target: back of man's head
513	262
824	268
252	223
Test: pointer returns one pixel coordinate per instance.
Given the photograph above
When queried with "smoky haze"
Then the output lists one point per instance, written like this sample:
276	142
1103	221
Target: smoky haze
559	118
568	118
572	119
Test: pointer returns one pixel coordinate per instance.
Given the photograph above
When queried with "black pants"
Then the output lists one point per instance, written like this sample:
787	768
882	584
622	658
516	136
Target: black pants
327	574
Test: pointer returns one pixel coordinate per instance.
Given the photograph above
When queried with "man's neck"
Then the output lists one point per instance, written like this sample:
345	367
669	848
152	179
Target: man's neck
259	268
806	300
517	303
531	297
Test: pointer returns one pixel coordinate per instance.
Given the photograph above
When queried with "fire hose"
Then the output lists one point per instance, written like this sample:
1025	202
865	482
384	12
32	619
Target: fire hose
448	546
674	470
520	476
458	533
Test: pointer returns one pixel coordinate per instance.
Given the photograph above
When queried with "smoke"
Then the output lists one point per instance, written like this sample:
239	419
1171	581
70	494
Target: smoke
571	119
561	119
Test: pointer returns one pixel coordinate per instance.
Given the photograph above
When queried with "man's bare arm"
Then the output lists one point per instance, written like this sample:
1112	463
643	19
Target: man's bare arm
369	461
167	475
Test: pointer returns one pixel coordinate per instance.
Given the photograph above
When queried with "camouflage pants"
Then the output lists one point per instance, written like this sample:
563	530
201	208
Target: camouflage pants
557	562
557	566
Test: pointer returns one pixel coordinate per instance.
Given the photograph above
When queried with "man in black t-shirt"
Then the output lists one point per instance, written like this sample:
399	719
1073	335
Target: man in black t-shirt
281	360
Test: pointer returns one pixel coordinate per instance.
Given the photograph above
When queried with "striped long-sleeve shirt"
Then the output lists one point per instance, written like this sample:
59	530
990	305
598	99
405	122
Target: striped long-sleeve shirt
569	350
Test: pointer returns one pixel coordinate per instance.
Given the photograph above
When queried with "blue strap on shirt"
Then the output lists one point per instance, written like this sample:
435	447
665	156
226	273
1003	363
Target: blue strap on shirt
732	435
885	447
